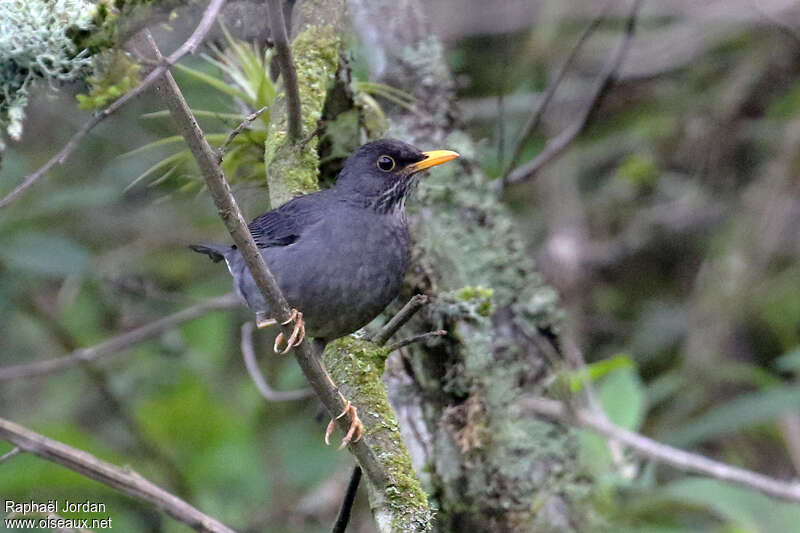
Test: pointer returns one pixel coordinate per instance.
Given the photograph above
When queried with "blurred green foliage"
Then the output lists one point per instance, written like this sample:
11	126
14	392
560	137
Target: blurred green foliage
665	186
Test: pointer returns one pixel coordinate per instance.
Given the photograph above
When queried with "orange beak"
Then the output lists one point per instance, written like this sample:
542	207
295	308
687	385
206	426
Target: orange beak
434	157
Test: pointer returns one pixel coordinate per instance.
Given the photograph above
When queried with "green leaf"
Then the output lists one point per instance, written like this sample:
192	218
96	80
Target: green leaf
174	159
202	113
742	508
622	397
172	139
789	362
45	254
594	371
741	413
216	83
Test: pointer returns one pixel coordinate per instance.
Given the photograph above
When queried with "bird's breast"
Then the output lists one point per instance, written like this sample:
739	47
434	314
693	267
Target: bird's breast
345	271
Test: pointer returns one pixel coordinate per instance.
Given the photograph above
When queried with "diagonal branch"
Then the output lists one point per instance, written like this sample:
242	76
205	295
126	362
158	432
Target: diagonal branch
605	81
117	344
232	217
283	55
126	481
538	112
189	46
397	321
416	338
652	449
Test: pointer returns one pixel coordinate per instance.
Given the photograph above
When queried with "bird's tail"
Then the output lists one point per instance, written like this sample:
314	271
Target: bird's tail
216	253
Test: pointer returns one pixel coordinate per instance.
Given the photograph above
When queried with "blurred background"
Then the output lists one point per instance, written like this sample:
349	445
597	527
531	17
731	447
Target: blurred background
669	228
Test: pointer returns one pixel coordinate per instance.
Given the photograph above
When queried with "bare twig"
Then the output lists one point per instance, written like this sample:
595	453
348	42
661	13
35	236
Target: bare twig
538	111
651	449
347	504
404	315
237	130
189	46
555	146
416	338
232	217
126	481
263	387
283	55
117	344
317	130
8	455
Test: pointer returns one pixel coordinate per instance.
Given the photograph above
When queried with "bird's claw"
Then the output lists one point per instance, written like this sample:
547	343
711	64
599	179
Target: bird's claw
297	336
356	430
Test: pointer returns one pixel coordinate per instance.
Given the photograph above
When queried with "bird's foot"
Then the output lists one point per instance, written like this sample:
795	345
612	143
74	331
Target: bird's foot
297	336
356	430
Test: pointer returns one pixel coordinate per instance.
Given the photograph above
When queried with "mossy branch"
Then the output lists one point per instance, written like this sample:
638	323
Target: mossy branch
293	168
356	366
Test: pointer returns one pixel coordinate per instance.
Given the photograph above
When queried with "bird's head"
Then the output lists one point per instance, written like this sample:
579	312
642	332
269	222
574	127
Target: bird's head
383	172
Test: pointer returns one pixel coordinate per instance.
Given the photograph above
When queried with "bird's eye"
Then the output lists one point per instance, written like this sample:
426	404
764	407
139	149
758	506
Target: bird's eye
385	163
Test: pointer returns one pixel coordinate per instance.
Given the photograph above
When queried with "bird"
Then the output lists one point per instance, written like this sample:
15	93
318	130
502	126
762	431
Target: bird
339	255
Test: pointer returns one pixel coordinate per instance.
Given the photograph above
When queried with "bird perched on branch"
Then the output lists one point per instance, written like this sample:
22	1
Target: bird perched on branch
339	255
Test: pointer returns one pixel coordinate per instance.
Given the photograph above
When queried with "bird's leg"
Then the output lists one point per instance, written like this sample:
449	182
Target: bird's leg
356	430
263	321
297	336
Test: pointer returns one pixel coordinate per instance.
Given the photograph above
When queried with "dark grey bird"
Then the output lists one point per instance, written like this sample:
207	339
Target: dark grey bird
339	255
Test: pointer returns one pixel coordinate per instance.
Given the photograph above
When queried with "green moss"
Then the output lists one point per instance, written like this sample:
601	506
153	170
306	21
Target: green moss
480	297
356	366
292	171
116	76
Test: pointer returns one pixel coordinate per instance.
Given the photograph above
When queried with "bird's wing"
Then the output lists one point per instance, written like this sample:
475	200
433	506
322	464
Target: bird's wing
285	225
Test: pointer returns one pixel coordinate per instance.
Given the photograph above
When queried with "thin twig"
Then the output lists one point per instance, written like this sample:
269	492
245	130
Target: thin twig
189	46
237	130
126	481
557	145
283	55
263	387
538	111
404	315
347	504
8	455
317	130
117	344
651	449
232	217
416	338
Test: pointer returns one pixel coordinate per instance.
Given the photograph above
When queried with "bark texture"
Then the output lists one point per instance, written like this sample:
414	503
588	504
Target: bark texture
487	465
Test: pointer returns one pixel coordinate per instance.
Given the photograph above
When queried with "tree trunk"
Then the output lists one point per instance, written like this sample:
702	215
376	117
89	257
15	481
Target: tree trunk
487	466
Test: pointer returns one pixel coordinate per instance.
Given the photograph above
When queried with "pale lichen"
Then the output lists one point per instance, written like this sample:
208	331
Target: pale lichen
34	45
